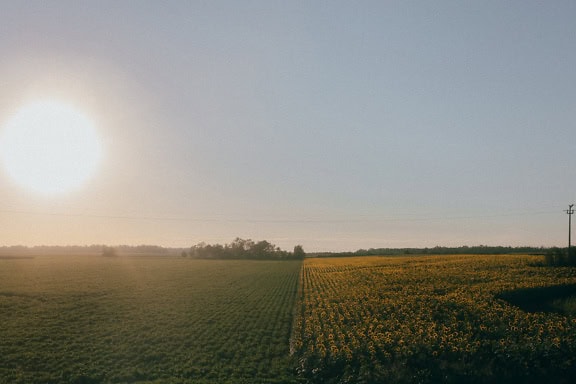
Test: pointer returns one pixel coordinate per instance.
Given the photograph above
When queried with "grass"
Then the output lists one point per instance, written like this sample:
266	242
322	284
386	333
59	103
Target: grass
143	320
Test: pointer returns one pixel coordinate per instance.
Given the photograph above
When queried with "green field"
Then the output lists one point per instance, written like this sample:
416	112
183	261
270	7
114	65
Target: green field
138	320
419	319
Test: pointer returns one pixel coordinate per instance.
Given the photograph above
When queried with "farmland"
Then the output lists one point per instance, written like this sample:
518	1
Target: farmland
418	319
149	319
432	319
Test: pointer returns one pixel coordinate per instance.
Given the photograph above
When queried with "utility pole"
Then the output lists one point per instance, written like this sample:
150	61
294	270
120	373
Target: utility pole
570	212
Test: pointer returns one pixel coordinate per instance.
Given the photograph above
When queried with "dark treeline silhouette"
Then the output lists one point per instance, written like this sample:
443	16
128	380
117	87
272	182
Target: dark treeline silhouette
248	249
464	250
560	257
243	249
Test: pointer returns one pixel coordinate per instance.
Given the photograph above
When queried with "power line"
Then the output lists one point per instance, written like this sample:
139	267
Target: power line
311	220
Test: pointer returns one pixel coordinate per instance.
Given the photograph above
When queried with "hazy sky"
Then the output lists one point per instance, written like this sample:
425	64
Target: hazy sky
337	125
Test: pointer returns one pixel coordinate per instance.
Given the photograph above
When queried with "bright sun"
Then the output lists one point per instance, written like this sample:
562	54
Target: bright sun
50	147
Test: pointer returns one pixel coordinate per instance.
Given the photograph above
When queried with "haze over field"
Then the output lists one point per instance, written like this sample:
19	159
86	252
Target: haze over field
336	125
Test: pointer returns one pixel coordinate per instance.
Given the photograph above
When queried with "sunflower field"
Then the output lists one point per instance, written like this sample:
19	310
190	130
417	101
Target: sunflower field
430	319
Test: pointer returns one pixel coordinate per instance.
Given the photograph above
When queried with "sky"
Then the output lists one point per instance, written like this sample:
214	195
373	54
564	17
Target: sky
336	125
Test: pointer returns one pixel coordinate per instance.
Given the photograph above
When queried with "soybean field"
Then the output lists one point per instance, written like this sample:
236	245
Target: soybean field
91	319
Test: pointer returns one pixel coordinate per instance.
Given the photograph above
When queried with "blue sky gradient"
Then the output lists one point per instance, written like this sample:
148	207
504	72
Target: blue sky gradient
337	125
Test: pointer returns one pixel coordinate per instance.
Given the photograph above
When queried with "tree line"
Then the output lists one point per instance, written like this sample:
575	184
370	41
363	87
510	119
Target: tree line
94	249
240	249
463	250
560	257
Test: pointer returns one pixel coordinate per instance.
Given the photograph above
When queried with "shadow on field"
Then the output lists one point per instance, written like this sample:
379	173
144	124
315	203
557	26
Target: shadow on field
542	299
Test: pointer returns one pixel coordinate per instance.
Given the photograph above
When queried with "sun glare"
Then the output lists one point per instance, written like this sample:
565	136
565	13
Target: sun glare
50	147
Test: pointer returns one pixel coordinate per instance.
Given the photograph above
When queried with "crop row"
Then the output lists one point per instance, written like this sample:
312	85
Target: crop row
145	319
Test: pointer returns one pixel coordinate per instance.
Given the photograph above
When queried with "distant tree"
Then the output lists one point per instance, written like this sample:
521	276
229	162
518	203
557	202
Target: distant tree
263	250
560	257
196	250
216	251
109	251
239	249
571	256
299	252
